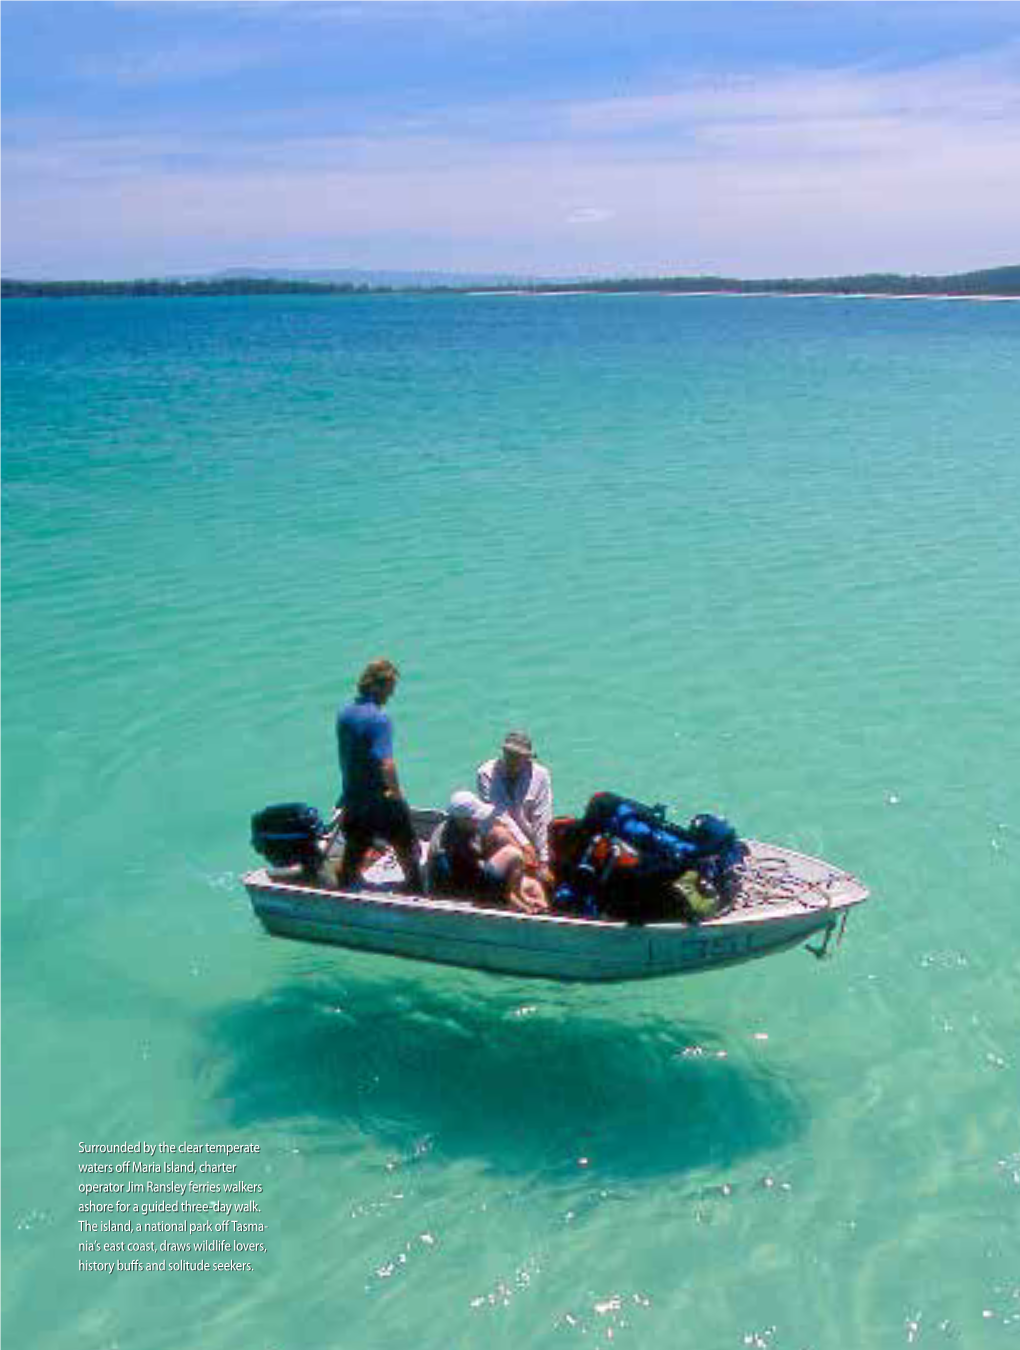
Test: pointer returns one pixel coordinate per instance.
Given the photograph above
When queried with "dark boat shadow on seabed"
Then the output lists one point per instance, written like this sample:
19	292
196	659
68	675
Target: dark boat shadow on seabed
521	1078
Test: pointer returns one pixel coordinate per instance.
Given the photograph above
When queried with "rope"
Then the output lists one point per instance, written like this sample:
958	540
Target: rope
772	881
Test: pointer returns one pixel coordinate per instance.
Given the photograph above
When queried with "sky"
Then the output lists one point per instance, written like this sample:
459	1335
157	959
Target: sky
551	139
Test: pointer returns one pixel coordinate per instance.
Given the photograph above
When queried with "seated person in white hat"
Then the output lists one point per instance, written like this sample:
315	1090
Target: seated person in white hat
478	854
521	788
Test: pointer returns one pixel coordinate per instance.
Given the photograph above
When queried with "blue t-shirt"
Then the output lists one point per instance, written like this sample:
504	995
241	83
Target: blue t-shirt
364	739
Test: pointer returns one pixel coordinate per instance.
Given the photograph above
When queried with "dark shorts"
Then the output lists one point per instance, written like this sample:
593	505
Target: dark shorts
386	818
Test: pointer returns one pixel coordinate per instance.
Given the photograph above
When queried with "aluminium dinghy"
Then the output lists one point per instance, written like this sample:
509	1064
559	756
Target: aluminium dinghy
782	899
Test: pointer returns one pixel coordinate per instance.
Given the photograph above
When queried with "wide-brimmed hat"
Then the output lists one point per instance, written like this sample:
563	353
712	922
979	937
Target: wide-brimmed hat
518	743
466	806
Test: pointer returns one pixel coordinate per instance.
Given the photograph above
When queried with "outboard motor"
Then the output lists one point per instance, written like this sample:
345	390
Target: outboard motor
288	835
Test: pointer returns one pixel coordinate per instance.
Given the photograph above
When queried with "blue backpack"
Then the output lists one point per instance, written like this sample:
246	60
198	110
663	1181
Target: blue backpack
664	851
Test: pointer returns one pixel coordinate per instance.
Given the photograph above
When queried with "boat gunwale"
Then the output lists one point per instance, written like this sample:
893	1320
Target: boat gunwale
851	892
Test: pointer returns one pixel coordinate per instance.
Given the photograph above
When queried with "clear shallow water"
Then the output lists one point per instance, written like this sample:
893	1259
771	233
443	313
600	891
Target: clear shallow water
756	556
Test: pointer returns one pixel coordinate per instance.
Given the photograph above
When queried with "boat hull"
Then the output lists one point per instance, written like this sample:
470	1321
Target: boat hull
556	947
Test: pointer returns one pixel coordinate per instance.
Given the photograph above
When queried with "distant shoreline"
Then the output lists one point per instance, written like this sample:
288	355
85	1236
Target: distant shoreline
504	293
990	284
758	295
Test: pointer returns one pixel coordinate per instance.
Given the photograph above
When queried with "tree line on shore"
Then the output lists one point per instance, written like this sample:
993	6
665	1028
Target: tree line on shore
11	288
991	281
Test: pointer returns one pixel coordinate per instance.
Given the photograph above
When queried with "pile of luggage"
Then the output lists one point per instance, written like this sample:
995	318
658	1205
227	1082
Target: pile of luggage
625	860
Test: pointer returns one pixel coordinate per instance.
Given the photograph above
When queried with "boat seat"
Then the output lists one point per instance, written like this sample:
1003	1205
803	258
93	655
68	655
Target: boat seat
425	819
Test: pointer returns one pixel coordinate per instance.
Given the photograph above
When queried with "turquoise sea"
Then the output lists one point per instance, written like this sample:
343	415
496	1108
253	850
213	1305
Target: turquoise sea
750	555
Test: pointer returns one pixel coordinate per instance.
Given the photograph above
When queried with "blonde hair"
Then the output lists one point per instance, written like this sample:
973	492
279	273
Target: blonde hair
377	674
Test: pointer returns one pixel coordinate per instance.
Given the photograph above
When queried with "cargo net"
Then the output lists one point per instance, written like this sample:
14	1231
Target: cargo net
761	881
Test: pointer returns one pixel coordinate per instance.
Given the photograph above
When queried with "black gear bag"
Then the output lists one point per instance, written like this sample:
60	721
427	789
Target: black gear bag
288	834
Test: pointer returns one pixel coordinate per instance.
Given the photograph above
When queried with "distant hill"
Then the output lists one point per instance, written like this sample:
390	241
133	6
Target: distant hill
335	276
241	281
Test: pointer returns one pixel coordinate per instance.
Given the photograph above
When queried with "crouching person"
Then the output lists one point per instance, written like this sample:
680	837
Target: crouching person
476	853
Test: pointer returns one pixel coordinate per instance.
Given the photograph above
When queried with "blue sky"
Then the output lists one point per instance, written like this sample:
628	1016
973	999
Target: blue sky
555	138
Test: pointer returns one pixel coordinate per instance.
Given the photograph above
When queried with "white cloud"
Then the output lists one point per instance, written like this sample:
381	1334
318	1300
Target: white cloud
852	107
589	215
180	62
836	171
976	82
730	215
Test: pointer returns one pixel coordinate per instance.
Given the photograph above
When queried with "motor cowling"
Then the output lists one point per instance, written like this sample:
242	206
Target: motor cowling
288	834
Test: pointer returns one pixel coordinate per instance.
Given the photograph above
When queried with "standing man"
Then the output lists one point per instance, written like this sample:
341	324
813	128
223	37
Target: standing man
372	803
518	786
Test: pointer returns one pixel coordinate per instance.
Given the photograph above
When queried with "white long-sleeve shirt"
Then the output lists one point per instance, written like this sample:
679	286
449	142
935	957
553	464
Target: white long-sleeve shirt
527	800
